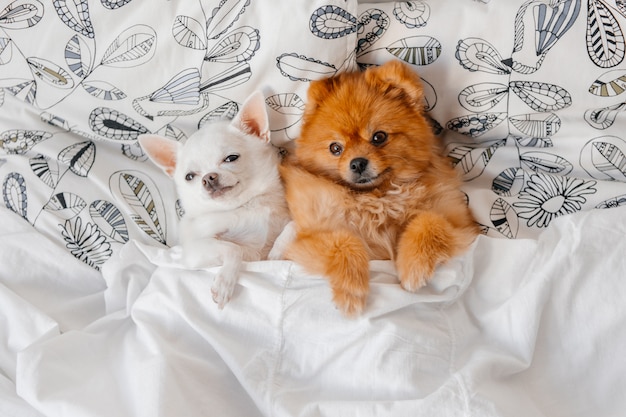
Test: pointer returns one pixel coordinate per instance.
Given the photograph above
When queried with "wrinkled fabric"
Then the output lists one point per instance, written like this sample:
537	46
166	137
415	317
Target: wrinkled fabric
525	327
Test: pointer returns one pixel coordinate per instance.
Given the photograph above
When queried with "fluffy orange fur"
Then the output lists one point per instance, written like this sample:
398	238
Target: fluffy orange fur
367	180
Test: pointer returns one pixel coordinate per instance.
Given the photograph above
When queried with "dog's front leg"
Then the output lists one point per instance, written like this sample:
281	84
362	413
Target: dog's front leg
428	240
342	257
226	279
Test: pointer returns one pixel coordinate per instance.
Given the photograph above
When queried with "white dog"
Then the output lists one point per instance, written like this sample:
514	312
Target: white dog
226	176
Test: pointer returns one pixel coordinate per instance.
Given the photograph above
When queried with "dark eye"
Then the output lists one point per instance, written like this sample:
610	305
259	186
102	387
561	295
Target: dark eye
231	158
190	176
379	138
335	148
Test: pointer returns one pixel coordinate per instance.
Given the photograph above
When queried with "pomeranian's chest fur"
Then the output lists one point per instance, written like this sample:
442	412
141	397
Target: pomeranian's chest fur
379	216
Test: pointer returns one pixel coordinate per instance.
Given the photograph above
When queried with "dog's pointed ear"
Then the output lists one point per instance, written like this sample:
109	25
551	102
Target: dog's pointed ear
396	75
162	151
252	117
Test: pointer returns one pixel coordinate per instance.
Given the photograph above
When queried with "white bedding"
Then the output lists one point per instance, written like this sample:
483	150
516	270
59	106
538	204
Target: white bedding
513	328
96	319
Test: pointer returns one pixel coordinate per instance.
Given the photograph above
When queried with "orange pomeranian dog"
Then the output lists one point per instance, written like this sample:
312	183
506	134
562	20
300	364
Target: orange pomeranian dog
367	180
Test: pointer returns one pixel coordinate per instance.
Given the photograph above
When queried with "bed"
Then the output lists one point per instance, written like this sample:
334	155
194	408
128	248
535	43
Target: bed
97	318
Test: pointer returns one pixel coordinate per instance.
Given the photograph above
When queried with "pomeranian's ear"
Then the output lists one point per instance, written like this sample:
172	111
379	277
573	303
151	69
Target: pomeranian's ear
252	117
161	151
397	75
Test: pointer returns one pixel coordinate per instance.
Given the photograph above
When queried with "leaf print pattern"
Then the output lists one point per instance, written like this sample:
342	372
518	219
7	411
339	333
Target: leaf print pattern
504	218
189	33
331	22
413	14
21	15
109	220
86	242
14	194
114	125
609	84
237	46
50	73
224	16
133	47
80	157
21	141
75	15
46	169
65	205
604	158
144	210
542	97
78	56
605	39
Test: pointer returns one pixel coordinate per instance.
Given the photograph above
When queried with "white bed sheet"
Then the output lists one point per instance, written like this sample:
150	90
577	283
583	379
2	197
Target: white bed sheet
513	328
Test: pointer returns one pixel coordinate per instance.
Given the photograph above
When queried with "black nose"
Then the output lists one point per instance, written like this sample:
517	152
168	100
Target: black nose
358	165
211	180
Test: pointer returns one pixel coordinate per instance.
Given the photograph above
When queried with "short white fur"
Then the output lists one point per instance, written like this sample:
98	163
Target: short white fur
227	179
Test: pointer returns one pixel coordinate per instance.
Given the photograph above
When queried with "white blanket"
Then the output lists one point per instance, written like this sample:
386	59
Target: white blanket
513	328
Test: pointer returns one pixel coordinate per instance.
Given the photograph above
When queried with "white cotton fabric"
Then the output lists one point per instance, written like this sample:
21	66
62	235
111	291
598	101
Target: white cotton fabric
525	327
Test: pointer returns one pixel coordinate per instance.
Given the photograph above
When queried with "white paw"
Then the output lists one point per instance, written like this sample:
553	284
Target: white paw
223	288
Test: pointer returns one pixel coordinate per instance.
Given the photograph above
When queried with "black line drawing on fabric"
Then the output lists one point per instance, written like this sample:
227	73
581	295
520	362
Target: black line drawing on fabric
482	97
133	47
6	50
50	73
79	56
604	158
301	68
286	110
546	162
532	142
373	23
226	111
21	15
1	97
609	84
475	125
142	202
509	182
537	125
604	118
182	90
25	90
79	157
224	16
541	97
180	211
14	194
189	33
538	27
47	169
75	15
19	141
547	197
65	205
115	125
103	90
472	159
332	22
413	14
605	39
109	220
504	218
238	45
114	4
475	54
133	151
613	202
172	132
86	242
416	50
